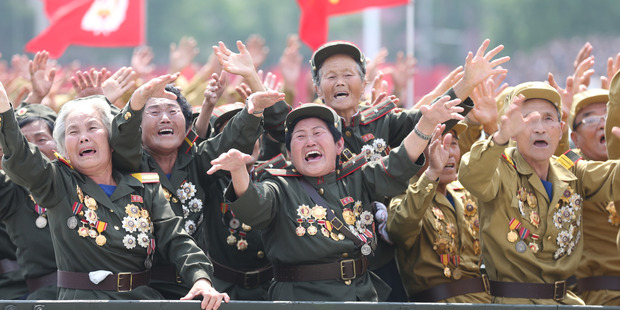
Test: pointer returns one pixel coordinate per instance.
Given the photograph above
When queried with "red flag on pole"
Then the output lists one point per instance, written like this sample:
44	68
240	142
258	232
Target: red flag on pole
313	23
101	23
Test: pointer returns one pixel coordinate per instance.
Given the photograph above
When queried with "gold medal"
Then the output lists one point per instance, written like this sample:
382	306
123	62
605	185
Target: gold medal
531	200
246	227
438	213
79	193
512	236
300	231
534	218
441	245
457	274
90	202
522	194
92	233
325	232
242	245
101	240
334	236
447	272
476	247
349	216
83	231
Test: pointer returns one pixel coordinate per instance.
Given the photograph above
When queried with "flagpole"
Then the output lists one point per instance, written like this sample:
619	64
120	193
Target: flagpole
410	50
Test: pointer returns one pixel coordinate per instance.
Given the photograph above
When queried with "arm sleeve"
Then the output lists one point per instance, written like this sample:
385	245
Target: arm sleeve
478	170
126	139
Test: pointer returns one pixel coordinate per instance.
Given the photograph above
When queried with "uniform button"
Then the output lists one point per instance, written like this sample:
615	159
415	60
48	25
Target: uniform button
260	254
127	115
549	238
321	191
344	255
111	211
337	171
362	118
294	170
348	133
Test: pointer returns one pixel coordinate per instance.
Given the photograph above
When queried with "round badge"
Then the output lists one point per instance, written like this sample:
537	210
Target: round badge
101	240
83	232
234	223
72	222
300	231
447	273
148	263
366	250
246	227
512	236
93	233
41	222
231	240
260	254
242	245
457	274
520	246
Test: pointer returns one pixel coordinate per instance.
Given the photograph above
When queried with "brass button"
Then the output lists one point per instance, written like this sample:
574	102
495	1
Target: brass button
116	228
362	118
294	170
337	171
174	199
127	115
348	133
344	255
321	191
260	254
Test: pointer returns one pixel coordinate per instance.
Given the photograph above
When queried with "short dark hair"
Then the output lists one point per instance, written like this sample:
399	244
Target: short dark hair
186	108
334	131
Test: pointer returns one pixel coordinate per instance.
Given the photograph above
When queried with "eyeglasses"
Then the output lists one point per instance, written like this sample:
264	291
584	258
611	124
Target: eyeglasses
591	121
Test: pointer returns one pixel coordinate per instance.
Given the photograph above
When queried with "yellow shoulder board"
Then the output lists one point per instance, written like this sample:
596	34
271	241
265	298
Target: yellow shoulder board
456	185
568	159
146	177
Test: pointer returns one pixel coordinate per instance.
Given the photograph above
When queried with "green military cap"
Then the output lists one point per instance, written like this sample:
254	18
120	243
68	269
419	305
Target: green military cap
334	48
36	111
313	110
536	90
585	98
224	113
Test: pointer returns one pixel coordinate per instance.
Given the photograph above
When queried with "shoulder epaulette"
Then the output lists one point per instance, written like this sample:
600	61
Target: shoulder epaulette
63	160
277	162
377	111
456	185
283	172
506	156
568	159
351	165
146	177
189	141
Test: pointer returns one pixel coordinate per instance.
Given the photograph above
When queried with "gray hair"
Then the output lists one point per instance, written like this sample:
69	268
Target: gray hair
316	79
98	102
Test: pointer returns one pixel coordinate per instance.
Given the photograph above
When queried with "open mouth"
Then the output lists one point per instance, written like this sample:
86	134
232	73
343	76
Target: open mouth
602	140
87	152
166	132
313	156
450	166
341	94
541	143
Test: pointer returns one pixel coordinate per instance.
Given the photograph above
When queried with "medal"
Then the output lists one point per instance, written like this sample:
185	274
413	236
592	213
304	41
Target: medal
512	236
438	213
533	245
79	193
534	218
234	223
513	225
476	247
348	216
40	222
325	232
242	245
457	273
312	230
447	272
366	249
101	240
300	231
83	231
72	222
451	230
148	263
334	236
520	246
340	237
231	240
531	200
90	202
522	194
92	233
246	227
445	259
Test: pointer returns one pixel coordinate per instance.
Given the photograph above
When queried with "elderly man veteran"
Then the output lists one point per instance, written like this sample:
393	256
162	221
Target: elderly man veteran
531	203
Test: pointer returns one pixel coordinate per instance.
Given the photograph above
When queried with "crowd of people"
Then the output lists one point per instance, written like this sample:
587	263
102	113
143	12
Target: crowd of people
222	182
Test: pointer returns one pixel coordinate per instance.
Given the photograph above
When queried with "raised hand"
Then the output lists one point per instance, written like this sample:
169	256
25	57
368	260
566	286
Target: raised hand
183	55
236	63
439	153
88	83
613	66
485	109
259	101
479	67
141	60
153	88
511	123
258	50
120	82
441	111
566	93
582	74
290	62
446	83
41	76
584	53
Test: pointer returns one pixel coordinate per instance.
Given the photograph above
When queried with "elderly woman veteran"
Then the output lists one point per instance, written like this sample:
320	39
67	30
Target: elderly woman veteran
106	226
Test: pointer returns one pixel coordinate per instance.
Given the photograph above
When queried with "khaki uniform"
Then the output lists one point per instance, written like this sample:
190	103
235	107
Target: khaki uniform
12	284
513	202
424	226
131	225
280	206
35	252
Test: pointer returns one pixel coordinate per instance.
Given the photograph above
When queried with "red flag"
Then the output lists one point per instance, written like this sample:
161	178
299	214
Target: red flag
109	23
313	23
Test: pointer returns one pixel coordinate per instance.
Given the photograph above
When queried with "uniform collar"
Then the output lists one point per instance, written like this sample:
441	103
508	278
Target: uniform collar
126	184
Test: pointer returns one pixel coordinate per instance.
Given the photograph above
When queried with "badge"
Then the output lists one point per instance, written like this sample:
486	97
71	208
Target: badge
92	233
476	247
304	211
366	249
40	222
312	230
348	216
260	254
79	193
340	237
512	236
441	245
534	218
325	232
246	227
457	274
72	222
83	231
319	212
300	231
231	240
90	202
470	209
234	223
522	194
451	230
531	200
242	245
101	240
438	213
520	246
334	236
447	272
534	247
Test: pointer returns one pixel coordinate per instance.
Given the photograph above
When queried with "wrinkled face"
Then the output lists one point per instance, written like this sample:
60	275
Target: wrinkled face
589	135
163	126
313	150
38	132
450	170
86	141
341	84
540	137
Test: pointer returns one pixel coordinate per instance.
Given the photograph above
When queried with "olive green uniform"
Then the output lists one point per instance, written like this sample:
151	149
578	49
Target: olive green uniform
515	209
136	214
276	205
12	283
35	252
424	225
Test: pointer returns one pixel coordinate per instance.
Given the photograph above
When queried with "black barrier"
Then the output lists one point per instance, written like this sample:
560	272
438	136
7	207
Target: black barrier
244	305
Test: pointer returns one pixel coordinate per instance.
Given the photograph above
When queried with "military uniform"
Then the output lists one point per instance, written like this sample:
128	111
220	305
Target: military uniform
12	283
94	234
525	236
438	249
27	225
299	239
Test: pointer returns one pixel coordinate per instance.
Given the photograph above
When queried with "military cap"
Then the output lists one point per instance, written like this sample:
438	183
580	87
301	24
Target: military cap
585	98
536	90
458	128
313	110
37	111
334	48
500	100
224	113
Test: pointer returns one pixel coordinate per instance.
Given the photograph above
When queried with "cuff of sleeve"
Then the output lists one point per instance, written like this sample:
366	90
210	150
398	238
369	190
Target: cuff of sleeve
427	185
